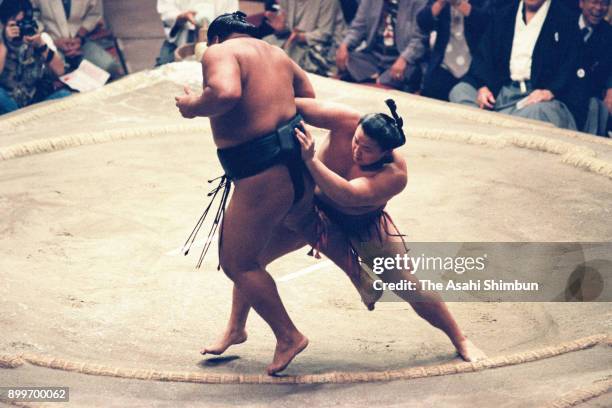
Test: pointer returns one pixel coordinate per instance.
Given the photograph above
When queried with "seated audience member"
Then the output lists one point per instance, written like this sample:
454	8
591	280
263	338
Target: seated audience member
261	22
309	31
28	61
595	68
69	22
459	25
526	63
349	9
572	6
394	46
181	22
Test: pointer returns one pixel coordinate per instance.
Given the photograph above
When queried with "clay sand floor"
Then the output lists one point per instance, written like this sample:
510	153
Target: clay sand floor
99	191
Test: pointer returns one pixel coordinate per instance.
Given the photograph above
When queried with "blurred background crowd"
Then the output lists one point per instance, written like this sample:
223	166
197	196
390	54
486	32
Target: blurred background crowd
549	60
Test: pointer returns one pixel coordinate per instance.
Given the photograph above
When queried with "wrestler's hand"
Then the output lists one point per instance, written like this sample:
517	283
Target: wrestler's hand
186	102
307	143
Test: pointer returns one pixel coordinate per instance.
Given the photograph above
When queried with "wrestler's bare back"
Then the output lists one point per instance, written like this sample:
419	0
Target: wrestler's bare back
267	77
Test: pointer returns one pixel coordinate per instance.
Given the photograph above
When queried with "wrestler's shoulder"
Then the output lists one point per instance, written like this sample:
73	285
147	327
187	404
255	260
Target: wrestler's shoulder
399	163
244	44
398	175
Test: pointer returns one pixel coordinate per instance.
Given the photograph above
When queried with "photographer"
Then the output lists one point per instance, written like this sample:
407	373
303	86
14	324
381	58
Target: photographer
70	23
27	57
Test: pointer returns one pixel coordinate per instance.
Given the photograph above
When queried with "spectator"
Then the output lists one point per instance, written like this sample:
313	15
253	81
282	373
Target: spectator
596	68
69	22
394	45
349	9
572	6
309	31
526	63
181	20
26	56
459	25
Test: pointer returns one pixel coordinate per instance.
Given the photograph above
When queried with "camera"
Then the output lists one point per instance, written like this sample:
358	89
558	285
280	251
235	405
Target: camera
27	27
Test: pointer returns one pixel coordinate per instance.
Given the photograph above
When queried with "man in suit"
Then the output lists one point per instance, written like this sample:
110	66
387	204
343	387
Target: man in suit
459	25
69	22
309	31
394	46
526	64
595	72
572	5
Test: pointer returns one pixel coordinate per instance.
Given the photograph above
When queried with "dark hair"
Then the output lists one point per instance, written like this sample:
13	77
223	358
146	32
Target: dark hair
385	130
228	24
10	9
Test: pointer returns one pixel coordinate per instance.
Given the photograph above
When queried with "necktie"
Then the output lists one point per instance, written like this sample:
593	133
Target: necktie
586	33
457	57
67	4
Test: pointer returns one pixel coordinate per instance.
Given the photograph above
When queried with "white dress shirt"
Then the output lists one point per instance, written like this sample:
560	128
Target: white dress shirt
205	10
83	13
525	38
582	24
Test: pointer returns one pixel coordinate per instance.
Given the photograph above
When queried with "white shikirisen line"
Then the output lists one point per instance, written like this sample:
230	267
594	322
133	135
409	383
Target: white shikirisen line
305	271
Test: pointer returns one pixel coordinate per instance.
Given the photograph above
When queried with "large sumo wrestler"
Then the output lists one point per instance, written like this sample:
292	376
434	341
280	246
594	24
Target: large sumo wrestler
357	172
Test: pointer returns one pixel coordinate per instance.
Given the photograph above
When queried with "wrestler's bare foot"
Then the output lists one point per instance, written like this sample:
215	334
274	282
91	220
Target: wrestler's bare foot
285	352
469	352
229	338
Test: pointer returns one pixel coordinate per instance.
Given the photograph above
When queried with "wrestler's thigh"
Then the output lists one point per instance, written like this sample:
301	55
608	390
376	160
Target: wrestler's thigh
337	247
385	242
282	242
258	205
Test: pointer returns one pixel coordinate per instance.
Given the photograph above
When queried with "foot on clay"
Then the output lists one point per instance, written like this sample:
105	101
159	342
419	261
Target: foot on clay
285	353
229	338
469	352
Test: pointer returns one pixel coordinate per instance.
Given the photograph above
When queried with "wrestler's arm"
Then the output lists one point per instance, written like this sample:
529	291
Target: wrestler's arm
302	88
222	84
328	115
361	191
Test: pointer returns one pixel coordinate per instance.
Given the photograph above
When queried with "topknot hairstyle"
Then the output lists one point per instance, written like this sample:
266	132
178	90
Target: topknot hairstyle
228	24
386	130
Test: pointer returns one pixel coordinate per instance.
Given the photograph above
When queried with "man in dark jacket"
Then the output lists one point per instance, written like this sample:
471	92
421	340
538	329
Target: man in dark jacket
525	64
394	47
459	25
595	73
